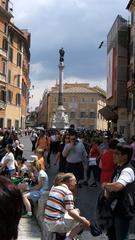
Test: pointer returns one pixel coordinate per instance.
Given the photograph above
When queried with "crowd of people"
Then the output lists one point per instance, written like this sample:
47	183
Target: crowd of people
83	158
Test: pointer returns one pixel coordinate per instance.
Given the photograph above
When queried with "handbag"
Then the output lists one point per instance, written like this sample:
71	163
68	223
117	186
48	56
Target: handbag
104	211
92	161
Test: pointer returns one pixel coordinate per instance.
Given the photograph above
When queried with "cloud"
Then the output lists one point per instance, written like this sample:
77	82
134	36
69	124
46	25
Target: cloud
78	26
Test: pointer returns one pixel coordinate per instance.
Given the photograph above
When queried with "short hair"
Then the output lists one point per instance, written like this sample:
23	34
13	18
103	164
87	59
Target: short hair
58	179
10	147
125	150
67	177
40	151
11	205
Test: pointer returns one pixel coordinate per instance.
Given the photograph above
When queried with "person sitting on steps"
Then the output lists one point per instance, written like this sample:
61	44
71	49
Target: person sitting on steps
60	213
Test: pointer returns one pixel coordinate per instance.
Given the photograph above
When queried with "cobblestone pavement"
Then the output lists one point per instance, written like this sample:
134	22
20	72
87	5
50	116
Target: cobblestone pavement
86	201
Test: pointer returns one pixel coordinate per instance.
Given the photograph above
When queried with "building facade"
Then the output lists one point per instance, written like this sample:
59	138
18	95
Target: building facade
131	72
81	102
5	16
14	71
116	111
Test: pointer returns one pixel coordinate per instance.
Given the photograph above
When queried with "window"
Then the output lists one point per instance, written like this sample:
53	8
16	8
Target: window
18	81
24	89
122	128
4	67
3	95
16	124
92	100
10	57
129	104
11	38
9	76
82	114
19	45
19	59
72	115
92	115
5	28
9	96
18	99
82	100
5	44
9	123
1	122
73	99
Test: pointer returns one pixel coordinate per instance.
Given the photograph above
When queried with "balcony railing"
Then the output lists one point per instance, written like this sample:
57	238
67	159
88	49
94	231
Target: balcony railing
2	77
3	53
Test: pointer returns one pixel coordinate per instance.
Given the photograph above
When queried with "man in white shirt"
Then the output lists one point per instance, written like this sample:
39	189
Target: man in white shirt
123	189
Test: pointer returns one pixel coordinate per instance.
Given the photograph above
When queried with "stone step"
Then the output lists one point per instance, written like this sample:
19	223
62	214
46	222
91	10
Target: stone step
28	229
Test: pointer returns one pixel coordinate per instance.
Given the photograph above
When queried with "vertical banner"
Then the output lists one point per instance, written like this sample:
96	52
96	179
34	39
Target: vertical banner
110	73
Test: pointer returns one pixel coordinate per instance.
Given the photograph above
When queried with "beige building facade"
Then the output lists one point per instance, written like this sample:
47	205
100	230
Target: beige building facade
14	71
81	102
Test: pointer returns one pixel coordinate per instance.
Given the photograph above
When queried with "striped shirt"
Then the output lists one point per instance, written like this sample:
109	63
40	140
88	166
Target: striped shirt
60	199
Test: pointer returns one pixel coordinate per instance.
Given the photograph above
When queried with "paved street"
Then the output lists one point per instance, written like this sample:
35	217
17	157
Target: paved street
86	200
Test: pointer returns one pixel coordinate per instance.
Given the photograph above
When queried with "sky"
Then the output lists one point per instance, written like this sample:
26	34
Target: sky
78	26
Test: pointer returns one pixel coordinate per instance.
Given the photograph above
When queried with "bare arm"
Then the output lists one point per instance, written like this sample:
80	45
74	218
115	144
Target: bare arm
67	150
115	186
39	185
75	215
4	164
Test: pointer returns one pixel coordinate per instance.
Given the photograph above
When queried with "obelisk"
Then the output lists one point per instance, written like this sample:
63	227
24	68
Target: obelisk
60	119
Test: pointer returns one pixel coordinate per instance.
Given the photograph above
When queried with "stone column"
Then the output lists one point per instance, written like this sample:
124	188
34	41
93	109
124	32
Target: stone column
60	119
61	77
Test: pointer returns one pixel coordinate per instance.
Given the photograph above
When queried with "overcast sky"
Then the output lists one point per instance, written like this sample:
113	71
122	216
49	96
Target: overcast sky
76	25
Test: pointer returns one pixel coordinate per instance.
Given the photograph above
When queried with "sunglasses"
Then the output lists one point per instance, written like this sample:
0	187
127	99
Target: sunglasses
72	139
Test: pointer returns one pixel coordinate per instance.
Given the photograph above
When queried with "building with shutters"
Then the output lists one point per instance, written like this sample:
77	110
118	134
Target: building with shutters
81	102
14	71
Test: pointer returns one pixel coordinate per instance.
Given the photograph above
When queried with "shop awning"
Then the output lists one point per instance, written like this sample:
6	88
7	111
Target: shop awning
108	113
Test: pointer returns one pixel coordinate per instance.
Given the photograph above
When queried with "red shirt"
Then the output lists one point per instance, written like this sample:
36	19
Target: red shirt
108	166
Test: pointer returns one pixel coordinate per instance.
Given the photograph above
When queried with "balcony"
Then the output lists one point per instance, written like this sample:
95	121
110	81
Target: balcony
2	105
3	53
2	78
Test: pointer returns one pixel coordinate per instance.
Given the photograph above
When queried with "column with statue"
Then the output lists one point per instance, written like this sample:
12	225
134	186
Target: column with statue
60	119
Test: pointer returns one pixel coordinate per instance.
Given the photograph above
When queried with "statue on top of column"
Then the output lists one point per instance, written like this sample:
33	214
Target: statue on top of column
61	52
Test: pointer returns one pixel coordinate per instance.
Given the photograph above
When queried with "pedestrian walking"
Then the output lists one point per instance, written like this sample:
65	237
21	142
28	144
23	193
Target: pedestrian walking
76	157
